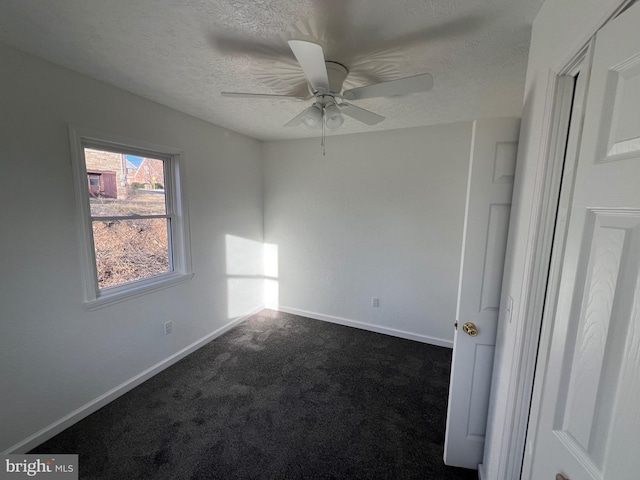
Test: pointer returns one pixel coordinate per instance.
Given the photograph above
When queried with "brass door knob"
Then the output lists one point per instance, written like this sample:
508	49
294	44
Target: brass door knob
470	329
561	477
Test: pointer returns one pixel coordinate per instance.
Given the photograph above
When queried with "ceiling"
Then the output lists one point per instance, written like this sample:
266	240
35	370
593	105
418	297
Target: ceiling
183	53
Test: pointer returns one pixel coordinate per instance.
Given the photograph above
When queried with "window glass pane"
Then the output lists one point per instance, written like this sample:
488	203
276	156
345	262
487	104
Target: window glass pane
129	250
121	184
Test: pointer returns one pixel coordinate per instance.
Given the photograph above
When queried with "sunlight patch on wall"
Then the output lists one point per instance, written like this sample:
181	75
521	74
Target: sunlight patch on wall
245	275
271	291
244	256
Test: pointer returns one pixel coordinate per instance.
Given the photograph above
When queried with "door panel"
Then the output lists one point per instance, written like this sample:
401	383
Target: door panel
479	404
498	229
109	186
491	175
621	122
588	421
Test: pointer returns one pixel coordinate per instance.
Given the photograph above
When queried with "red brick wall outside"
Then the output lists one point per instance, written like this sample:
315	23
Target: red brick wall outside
150	171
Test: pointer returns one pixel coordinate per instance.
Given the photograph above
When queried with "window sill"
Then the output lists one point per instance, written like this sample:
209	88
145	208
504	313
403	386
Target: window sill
127	292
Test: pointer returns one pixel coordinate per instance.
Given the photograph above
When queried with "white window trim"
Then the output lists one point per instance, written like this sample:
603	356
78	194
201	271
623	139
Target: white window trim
180	251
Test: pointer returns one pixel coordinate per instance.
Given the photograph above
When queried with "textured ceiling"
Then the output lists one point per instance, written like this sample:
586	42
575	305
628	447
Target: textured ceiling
183	53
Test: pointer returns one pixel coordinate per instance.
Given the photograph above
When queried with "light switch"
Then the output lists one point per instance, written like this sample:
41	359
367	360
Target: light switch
509	308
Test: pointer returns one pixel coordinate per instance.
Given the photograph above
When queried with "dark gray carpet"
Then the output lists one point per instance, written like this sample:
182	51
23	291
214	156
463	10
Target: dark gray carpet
278	397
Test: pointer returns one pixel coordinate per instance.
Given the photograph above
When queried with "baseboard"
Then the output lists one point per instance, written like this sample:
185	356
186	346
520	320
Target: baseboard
440	342
94	405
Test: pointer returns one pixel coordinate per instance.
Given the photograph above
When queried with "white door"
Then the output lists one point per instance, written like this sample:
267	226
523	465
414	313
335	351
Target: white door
588	421
491	174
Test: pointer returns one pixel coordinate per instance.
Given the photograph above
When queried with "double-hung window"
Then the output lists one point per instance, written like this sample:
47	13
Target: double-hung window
133	220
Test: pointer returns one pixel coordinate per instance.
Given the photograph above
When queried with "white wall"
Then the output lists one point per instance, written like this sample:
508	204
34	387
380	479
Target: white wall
560	30
55	355
381	215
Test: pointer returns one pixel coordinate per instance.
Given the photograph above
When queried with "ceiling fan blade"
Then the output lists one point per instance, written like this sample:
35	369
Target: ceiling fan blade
402	86
298	119
311	58
360	114
261	95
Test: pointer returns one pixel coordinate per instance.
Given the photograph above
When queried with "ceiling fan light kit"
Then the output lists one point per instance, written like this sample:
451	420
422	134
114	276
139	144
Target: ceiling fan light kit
313	117
332	115
325	80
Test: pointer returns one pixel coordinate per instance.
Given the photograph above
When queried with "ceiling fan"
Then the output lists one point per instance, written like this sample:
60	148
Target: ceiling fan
325	79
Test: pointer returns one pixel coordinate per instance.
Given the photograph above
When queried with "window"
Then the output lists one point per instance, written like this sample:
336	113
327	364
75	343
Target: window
134	225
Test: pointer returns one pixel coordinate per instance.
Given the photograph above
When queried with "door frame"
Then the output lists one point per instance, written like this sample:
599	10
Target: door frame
572	90
538	273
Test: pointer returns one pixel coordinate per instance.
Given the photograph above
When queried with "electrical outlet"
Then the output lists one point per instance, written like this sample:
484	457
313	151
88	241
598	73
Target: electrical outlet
168	327
375	302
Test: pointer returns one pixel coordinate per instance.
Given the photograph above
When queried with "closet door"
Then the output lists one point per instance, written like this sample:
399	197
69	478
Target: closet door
588	419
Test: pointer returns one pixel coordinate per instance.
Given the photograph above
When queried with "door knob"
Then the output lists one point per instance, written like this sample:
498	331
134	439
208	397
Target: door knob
561	477
470	329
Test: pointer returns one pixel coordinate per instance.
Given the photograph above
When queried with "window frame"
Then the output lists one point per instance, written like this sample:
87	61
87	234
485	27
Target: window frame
177	216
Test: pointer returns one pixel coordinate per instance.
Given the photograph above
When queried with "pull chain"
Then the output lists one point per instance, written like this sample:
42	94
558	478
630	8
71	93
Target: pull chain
323	126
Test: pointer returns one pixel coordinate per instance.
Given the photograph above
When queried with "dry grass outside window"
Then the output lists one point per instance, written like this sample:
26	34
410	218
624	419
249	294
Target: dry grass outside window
130	249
